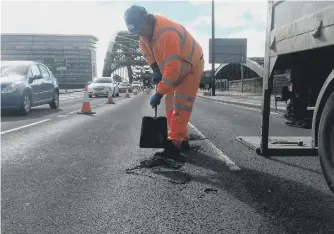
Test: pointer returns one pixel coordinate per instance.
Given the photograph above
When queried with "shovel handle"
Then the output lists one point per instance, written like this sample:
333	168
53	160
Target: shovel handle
156	107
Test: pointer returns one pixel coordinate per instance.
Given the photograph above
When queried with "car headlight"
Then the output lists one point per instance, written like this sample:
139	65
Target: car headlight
10	88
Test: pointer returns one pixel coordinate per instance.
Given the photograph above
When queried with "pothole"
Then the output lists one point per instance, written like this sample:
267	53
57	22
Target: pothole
162	169
158	161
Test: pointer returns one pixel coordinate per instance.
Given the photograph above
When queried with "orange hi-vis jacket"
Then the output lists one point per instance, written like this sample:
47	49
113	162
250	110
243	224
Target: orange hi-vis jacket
173	49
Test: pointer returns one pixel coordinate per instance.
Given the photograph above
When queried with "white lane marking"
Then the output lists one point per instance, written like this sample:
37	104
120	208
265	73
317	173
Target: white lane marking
62	116
72	112
247	108
231	165
279	111
70	98
24	126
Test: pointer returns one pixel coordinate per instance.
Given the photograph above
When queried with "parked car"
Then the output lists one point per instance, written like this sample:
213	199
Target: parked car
123	86
137	85
100	86
25	84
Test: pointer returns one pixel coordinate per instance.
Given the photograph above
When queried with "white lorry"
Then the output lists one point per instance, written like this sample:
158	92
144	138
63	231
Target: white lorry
300	40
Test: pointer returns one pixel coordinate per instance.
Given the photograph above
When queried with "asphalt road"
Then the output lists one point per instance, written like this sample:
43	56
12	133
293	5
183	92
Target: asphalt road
69	104
70	174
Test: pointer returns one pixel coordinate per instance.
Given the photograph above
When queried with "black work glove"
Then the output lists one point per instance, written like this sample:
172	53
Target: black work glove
157	77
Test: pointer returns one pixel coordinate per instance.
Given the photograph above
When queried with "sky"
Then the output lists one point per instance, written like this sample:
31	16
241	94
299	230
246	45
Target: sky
233	19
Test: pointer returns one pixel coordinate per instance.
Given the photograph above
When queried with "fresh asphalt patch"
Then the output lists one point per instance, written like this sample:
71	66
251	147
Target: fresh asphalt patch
164	169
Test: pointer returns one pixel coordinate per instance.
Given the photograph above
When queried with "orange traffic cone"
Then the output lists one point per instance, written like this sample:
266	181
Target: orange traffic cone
110	99
86	109
127	95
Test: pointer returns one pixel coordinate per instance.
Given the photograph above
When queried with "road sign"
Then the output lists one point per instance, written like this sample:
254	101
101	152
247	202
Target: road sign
228	50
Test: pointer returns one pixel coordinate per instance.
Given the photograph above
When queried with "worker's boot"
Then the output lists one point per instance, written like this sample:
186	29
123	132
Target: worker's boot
171	151
185	146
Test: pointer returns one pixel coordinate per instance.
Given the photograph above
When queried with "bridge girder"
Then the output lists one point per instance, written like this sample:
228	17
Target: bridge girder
123	51
253	65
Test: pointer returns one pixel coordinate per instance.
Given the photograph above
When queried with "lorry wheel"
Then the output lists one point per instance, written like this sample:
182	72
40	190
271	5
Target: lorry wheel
326	141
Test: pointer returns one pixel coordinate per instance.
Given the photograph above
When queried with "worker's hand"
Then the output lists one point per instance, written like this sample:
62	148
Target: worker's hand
157	77
155	99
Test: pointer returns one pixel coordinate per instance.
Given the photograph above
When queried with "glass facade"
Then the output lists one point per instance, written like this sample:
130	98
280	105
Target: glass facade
71	58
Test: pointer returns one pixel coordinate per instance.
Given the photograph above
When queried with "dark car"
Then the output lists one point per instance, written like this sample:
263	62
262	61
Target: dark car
25	84
147	81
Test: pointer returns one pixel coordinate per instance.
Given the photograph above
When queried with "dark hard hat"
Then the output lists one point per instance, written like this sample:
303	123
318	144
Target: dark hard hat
134	18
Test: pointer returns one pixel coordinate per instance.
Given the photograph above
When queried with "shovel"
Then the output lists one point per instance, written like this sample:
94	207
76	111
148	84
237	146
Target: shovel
153	131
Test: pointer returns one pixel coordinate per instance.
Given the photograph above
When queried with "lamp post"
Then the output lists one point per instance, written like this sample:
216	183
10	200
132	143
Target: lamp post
212	48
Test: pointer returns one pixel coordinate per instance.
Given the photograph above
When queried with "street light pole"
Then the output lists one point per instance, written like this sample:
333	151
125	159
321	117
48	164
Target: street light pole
213	48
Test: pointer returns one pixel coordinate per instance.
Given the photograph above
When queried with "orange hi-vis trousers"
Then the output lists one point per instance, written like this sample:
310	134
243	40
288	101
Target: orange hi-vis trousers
179	102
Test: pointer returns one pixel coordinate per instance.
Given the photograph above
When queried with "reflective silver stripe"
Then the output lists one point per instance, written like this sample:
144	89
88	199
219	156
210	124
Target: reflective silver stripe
169	107
184	97
168	59
179	106
167	82
190	57
184	37
185	67
163	30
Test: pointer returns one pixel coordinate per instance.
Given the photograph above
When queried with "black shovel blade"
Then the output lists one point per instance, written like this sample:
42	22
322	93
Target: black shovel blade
153	132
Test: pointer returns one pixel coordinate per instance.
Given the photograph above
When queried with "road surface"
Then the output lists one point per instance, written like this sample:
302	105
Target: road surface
70	174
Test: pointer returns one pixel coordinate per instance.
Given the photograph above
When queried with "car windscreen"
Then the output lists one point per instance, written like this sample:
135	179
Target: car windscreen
102	80
7	69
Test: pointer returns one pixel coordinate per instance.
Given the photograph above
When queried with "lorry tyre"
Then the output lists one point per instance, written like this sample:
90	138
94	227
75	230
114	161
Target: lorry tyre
326	141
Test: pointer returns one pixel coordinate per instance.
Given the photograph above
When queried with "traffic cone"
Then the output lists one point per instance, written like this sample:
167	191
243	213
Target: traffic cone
110	99
86	109
135	92
127	95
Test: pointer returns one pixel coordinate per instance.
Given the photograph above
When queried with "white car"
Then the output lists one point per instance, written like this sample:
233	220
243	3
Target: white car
123	86
136	84
100	86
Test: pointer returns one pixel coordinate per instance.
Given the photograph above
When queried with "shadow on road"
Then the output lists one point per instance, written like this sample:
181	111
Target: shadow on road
12	116
297	207
296	166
